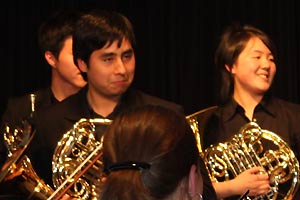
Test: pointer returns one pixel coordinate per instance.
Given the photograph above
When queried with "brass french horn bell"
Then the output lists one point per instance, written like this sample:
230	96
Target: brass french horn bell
17	167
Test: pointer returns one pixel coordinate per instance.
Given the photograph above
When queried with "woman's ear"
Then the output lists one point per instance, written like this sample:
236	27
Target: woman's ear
192	180
82	65
195	181
231	70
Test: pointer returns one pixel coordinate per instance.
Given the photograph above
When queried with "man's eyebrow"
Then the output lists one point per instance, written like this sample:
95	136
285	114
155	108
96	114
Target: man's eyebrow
128	51
109	54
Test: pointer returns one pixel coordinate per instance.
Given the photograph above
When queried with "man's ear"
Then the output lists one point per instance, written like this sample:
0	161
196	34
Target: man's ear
82	65
50	58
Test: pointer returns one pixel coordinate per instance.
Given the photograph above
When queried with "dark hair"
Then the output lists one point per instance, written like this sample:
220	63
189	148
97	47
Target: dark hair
233	41
155	136
96	28
56	29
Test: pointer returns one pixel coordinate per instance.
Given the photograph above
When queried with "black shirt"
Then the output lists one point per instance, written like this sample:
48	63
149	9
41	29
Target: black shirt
276	115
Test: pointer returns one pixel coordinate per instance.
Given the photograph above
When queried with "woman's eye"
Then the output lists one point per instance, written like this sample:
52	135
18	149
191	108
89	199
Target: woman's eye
272	59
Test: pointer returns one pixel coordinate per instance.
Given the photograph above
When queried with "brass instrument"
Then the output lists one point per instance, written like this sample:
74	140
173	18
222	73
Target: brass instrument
18	166
77	165
246	150
252	146
77	161
193	121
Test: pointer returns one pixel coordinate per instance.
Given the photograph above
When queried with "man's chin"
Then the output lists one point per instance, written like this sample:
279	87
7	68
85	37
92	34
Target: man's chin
119	91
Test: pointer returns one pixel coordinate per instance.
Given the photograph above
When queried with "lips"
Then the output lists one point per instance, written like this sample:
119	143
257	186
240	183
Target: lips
264	75
120	81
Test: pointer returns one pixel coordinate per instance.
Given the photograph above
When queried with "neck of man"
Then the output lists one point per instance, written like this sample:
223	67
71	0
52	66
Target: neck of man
101	104
63	90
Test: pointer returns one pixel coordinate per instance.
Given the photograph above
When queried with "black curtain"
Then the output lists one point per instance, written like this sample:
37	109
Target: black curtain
176	41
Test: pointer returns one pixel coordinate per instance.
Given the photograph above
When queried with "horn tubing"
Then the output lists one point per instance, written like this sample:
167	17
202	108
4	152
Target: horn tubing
78	175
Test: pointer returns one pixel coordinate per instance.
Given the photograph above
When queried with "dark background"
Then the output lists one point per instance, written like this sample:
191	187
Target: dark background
176	43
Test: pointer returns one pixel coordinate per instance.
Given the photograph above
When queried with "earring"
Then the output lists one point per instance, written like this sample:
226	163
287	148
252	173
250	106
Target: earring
195	195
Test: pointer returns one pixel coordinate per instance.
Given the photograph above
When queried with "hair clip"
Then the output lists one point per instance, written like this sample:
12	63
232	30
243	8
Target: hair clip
127	165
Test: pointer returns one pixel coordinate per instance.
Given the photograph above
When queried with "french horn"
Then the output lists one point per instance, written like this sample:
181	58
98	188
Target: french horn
252	146
77	161
18	169
194	124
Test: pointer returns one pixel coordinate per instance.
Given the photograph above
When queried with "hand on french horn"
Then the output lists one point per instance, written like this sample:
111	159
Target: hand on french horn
256	180
252	179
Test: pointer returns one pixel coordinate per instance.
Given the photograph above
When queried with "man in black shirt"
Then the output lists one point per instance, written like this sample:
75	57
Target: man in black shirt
55	43
103	48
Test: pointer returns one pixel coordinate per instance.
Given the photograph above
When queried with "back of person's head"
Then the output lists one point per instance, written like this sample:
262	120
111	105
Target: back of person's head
147	152
56	29
232	42
97	28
